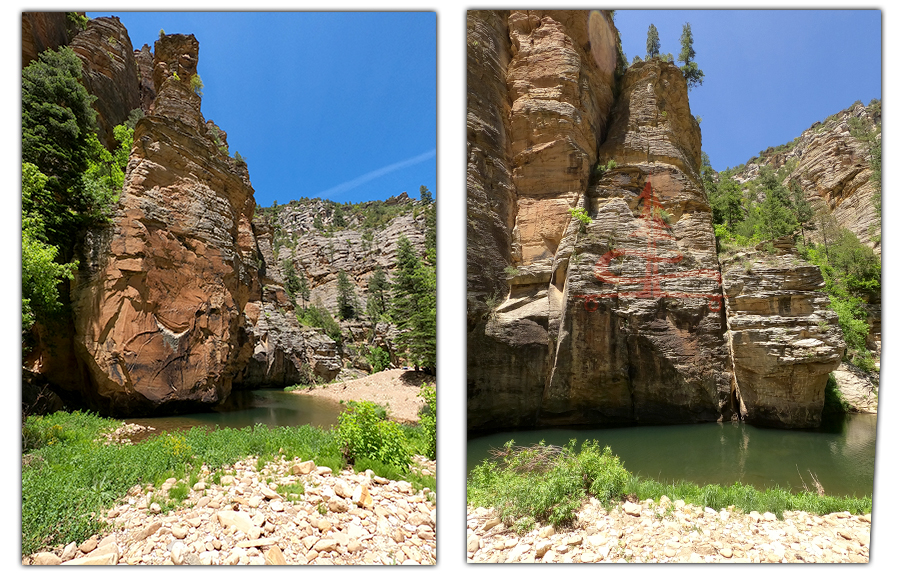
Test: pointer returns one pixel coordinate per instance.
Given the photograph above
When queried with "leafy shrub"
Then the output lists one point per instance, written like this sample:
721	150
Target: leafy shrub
428	418
581	215
378	358
197	85
319	317
365	432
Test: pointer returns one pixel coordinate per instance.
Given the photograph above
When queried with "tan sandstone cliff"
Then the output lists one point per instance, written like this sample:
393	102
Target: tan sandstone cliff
622	317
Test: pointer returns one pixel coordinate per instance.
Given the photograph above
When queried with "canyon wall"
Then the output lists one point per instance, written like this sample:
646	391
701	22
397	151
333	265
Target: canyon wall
594	287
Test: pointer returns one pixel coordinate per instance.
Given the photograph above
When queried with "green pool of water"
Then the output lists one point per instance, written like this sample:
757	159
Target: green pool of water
841	454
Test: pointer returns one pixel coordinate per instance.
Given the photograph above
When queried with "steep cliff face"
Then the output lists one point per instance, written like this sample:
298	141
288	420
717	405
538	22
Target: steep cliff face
594	288
529	162
305	234
833	168
785	339
158	306
109	72
43	30
640	326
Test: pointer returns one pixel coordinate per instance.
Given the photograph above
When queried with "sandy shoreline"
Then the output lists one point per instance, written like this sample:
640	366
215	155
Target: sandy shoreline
396	389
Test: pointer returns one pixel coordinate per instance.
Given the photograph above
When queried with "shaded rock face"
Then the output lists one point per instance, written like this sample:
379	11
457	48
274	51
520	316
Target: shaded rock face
635	304
143	58
159	300
785	340
109	72
283	353
833	169
43	30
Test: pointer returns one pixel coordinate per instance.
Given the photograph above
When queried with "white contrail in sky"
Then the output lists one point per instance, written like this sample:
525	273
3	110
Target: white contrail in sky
339	189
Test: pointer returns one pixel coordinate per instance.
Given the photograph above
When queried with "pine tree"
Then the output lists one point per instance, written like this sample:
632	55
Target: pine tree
414	307
346	297
430	222
692	74
652	42
377	301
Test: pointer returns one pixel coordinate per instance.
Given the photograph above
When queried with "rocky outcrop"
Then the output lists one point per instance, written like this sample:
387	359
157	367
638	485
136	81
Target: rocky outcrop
636	322
159	299
45	30
784	338
617	320
304	233
833	168
284	353
109	72
529	163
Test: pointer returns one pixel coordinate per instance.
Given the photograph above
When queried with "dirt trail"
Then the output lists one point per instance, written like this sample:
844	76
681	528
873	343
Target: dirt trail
396	389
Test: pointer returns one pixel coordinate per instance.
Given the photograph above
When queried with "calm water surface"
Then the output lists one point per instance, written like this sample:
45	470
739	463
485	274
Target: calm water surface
841	453
248	408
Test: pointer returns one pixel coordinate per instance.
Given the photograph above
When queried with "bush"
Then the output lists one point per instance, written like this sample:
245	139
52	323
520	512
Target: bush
365	432
428	419
378	358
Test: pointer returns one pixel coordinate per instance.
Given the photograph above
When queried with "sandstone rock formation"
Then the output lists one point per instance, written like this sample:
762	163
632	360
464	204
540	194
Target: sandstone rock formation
158	306
109	72
784	338
181	297
594	287
832	167
591	328
43	30
529	162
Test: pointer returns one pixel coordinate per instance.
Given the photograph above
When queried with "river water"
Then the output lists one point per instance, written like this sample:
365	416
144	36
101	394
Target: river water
841	453
270	407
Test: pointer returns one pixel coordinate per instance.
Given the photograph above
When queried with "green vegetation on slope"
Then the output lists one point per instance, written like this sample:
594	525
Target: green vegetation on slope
69	180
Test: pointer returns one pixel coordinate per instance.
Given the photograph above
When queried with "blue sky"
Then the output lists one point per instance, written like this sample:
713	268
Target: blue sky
337	105
769	74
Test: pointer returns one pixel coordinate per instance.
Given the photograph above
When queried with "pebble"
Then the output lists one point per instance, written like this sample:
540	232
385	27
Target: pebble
672	532
245	520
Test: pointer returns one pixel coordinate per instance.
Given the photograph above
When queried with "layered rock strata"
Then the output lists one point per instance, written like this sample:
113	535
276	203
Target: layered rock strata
109	72
158	308
617	320
833	168
784	338
636	318
529	162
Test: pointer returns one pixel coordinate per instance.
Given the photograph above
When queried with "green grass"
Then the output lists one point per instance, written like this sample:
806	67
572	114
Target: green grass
548	484
67	477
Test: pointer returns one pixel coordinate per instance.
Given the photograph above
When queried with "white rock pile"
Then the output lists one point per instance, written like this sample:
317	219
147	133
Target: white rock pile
673	532
243	519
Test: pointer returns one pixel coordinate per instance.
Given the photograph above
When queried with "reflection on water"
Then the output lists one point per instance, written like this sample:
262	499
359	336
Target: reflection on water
248	408
841	454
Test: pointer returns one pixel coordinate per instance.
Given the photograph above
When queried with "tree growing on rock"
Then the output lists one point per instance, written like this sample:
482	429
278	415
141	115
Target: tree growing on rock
652	42
347	308
692	73
377	301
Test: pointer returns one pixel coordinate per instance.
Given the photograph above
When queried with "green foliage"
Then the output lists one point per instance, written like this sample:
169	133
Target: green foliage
581	215
652	42
378	358
78	20
69	476
320	318
414	307
430	220
197	85
57	124
365	432
548	484
347	303
41	274
428	419
378	299
600	169
292	284
692	73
